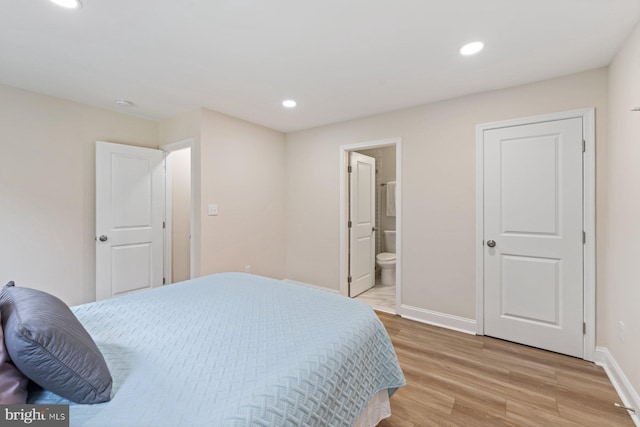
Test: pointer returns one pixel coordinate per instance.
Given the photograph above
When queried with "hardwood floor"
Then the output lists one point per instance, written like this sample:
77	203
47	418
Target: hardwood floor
456	379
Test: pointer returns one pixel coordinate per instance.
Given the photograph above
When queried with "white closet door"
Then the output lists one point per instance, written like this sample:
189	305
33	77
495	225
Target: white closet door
533	232
129	216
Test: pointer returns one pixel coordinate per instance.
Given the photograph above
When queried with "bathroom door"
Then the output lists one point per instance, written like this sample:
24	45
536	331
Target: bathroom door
362	214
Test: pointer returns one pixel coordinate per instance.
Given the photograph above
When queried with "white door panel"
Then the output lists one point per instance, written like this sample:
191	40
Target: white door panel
130	191
529	185
533	213
127	273
129	215
362	245
530	289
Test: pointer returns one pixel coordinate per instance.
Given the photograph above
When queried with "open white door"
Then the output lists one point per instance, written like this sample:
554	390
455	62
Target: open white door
533	231
129	217
362	214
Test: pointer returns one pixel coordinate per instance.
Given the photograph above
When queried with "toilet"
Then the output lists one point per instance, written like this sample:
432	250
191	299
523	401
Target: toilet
387	260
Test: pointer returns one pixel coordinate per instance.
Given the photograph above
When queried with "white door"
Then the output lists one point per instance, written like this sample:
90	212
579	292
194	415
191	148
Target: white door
533	232
362	213
129	216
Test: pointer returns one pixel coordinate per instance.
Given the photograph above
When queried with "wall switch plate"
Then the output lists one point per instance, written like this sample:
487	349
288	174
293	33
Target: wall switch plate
213	210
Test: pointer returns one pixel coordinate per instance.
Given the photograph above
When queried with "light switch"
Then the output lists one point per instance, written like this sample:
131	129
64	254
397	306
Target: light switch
213	210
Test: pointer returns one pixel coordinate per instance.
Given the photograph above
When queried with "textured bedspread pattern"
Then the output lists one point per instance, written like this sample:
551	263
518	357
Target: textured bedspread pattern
236	350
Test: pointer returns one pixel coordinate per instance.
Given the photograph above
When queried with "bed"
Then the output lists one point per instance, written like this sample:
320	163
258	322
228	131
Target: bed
235	349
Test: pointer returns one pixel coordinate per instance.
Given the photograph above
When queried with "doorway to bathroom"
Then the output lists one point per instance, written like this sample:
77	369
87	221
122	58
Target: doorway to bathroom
370	236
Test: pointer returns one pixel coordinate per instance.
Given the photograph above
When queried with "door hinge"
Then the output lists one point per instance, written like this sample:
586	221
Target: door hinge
584	146
584	237
584	328
349	169
164	280
164	224
349	279
349	224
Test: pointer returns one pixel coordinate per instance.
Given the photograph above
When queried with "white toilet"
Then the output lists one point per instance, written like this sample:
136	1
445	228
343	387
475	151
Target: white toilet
387	260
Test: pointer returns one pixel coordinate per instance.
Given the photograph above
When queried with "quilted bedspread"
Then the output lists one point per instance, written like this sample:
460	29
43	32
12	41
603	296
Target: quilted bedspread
234	349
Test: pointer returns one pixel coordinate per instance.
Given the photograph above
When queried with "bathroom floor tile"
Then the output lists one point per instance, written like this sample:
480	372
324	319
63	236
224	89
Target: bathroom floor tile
380	297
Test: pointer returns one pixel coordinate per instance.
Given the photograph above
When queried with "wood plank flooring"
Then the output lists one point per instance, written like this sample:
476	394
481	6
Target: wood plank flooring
456	379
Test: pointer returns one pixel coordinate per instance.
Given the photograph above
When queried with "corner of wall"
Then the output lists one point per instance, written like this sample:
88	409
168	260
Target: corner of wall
621	383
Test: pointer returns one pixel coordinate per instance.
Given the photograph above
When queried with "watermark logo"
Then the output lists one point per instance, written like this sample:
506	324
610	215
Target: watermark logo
34	415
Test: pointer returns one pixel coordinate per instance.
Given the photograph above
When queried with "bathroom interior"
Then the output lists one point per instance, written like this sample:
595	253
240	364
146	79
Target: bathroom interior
382	296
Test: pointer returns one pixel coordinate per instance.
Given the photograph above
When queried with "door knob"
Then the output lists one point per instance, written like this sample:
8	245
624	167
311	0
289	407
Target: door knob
103	238
491	243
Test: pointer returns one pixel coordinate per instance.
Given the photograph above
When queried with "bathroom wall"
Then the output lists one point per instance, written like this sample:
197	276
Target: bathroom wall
385	172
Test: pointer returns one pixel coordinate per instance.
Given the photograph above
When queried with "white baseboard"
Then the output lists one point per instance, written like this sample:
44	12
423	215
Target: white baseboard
460	324
620	382
322	288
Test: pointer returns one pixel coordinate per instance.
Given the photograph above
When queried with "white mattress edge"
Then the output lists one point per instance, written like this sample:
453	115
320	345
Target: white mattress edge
376	410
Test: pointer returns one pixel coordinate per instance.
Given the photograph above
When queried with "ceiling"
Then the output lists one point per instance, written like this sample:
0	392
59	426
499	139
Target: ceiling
339	59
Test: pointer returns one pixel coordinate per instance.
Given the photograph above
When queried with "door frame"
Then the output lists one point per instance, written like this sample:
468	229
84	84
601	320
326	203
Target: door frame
194	249
588	211
344	212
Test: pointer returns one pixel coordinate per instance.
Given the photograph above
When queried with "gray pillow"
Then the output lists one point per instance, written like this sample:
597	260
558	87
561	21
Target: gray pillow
49	345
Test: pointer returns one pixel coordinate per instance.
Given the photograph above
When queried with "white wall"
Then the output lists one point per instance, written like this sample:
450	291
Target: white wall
47	189
618	272
438	177
186	126
243	172
241	169
180	214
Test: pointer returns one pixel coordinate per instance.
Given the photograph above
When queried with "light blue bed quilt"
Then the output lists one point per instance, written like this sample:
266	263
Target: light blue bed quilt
234	349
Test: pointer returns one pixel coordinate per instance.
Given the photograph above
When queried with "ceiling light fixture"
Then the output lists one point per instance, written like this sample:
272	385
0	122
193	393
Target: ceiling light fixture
124	103
69	4
471	48
289	103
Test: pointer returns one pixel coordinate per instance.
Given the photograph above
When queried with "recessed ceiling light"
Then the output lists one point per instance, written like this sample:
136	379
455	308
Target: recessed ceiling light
69	4
124	103
289	103
471	48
